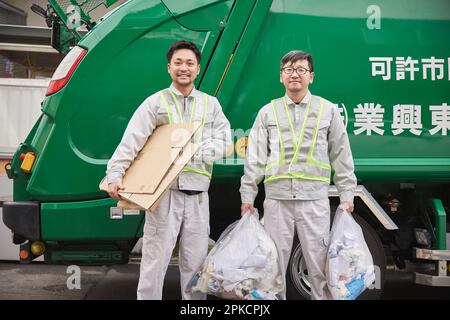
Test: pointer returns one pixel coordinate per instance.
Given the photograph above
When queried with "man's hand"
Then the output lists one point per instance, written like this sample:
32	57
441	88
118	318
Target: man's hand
246	207
113	190
347	206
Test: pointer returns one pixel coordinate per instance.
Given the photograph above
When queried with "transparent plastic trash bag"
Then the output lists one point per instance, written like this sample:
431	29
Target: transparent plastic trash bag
349	266
243	264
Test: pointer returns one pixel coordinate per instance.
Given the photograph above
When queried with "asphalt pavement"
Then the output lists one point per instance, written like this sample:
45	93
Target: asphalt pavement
119	282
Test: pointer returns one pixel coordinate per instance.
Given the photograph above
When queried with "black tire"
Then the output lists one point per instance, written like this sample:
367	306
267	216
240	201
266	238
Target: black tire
297	275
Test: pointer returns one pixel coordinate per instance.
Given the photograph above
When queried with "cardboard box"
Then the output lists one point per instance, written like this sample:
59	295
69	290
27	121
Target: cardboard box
157	165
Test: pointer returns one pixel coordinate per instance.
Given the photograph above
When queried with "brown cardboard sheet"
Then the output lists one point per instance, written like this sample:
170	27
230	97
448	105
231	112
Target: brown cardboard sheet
157	165
150	201
159	153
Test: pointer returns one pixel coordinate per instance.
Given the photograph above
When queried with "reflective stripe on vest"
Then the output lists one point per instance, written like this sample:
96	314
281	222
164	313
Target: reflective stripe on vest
167	93
308	168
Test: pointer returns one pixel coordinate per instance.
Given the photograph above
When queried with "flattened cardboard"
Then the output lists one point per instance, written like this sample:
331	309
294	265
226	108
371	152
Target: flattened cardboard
156	157
121	203
124	204
158	154
150	201
139	197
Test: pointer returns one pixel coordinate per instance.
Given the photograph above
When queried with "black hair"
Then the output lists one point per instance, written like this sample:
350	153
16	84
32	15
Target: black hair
183	44
296	55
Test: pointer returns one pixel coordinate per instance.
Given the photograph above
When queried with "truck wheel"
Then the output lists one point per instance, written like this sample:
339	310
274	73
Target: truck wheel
298	286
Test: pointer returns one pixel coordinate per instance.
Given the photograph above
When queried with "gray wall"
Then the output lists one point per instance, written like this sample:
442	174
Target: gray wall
11	15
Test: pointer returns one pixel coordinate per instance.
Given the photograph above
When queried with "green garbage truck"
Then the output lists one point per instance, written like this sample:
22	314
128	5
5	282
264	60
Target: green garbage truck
386	66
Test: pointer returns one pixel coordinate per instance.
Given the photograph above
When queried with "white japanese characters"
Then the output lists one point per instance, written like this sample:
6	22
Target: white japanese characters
440	118
407	68
370	119
407	117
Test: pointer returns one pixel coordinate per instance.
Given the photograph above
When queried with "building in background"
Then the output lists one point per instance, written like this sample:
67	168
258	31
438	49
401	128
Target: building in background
27	62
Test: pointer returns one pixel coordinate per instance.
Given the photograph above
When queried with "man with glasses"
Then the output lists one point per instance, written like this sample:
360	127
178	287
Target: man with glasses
185	208
294	143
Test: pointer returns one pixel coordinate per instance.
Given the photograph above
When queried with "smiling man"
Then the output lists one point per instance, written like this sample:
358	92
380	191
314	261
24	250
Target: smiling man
293	144
184	209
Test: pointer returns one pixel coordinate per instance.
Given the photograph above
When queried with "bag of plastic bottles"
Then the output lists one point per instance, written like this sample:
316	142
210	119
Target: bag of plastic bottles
349	267
243	264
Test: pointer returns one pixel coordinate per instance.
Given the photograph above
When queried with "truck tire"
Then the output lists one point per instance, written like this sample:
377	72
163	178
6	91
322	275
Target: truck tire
298	287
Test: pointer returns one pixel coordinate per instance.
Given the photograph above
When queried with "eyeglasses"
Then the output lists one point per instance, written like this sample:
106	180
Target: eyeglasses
300	70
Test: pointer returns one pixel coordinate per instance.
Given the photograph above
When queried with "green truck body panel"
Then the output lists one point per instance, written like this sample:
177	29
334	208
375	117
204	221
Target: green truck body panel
81	221
242	43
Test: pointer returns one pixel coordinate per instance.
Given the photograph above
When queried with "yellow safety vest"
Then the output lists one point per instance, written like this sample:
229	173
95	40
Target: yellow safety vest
166	96
307	168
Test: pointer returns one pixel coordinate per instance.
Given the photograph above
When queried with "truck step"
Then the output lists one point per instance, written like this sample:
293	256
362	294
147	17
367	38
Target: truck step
431	280
440	277
429	254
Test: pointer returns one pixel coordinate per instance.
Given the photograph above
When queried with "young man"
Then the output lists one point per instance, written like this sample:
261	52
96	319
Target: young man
293	144
185	208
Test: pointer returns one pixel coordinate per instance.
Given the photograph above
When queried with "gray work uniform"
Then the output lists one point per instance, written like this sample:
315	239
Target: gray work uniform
292	147
177	212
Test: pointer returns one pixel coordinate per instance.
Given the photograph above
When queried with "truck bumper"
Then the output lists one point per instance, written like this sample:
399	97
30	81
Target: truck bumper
23	218
441	276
